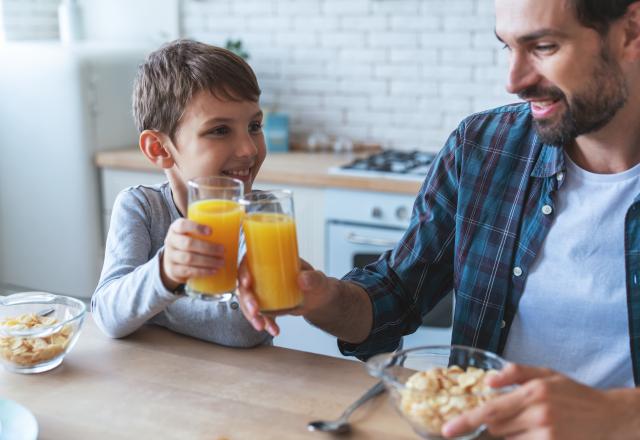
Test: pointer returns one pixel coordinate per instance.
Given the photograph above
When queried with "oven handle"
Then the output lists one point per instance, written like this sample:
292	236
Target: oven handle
370	241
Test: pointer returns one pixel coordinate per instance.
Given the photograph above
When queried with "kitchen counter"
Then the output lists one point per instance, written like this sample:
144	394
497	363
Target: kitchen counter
158	384
295	168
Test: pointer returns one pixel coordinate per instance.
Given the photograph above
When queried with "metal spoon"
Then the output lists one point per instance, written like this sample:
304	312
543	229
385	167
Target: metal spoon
342	426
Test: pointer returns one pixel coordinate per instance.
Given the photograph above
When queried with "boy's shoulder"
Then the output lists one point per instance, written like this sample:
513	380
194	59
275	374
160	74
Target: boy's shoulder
147	200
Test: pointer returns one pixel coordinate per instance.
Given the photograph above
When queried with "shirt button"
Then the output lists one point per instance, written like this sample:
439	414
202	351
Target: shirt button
560	177
546	209
503	324
517	271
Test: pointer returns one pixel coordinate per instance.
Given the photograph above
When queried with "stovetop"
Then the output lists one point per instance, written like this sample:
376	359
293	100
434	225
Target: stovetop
391	164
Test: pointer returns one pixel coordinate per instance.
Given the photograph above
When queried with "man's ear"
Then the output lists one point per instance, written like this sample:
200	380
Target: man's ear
152	144
632	31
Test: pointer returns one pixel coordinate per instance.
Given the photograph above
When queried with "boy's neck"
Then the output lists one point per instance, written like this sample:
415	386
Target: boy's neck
178	192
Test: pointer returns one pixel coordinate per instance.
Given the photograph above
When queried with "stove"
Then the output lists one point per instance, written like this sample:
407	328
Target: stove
389	164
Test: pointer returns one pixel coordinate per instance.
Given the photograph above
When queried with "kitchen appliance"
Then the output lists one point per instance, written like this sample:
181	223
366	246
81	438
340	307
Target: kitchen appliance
60	104
360	226
389	164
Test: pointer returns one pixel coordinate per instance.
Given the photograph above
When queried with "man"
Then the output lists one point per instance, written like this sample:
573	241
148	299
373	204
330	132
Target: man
530	214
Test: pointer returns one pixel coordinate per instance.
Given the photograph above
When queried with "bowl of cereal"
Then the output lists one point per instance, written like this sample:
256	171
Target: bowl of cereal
37	329
430	385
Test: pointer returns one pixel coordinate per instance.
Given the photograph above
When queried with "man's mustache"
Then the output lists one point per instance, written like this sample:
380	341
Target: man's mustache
547	93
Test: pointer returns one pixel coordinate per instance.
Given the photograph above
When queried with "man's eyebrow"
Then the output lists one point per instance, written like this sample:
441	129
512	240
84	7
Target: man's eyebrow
533	36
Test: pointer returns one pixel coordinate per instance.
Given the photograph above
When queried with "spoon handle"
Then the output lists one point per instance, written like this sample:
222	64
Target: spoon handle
372	392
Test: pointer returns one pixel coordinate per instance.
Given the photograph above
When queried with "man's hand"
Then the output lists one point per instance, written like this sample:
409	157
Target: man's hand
186	256
547	406
313	284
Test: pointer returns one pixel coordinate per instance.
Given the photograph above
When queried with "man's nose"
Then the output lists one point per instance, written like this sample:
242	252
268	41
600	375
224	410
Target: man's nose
522	74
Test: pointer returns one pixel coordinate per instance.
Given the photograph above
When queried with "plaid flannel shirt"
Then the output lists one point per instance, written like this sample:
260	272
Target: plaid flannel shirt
477	224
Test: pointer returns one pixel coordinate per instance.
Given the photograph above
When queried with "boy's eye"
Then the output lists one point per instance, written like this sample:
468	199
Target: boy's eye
255	127
219	131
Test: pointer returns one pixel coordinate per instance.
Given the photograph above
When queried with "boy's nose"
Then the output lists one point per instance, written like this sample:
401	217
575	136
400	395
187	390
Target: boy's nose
522	74
246	147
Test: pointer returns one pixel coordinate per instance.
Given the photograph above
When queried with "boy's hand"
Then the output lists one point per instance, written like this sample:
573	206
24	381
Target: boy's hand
314	286
186	256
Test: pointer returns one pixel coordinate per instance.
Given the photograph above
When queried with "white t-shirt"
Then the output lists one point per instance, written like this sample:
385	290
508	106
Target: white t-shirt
573	315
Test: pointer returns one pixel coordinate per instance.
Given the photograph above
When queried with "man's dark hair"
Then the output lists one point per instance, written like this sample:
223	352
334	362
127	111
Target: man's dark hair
599	14
173	74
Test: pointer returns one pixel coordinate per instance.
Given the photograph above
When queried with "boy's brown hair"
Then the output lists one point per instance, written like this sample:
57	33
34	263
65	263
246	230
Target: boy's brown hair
173	74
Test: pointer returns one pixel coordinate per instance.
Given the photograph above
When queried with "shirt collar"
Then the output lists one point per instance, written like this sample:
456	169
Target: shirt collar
550	161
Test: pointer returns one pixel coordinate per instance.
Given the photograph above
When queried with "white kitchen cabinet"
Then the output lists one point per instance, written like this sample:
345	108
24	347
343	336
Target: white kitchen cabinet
115	180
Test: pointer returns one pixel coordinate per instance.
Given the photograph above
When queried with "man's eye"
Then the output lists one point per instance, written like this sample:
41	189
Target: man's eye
255	127
546	48
506	47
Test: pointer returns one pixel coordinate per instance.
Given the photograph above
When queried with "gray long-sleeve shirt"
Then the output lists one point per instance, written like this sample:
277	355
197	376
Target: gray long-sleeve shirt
130	292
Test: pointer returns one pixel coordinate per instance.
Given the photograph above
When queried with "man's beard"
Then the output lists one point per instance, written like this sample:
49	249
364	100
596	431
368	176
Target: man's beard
587	111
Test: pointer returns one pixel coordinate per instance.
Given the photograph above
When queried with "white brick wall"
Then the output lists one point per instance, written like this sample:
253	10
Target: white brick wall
399	72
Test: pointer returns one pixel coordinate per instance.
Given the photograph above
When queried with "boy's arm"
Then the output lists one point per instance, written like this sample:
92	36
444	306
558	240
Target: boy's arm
130	290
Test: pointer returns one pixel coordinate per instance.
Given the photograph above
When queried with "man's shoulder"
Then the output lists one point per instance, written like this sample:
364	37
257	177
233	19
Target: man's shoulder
504	116
505	128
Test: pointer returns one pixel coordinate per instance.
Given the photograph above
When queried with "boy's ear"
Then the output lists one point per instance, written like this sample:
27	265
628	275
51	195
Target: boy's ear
152	145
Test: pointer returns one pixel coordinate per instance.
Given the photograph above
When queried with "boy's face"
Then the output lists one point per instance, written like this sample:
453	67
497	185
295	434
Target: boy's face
219	138
566	71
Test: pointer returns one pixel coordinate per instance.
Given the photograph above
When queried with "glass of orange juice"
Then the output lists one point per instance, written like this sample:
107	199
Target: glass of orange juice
272	250
215	201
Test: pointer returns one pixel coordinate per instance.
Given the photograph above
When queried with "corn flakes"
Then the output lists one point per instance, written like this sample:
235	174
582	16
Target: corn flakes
433	397
28	351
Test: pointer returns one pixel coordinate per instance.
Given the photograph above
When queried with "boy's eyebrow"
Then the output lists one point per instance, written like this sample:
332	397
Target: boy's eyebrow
533	36
226	120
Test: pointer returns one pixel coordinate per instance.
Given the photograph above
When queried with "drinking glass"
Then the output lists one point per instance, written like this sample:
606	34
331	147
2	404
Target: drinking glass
272	250
214	202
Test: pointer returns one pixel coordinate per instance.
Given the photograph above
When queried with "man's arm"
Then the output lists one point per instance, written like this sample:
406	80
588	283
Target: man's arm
337	307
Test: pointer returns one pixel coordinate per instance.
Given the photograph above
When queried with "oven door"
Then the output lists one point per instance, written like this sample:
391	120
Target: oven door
352	245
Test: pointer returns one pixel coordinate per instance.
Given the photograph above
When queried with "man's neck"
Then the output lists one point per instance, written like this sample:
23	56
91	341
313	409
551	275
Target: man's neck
612	149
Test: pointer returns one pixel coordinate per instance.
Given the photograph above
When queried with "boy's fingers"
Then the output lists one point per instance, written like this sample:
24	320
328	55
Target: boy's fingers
198	261
272	328
186	226
192	244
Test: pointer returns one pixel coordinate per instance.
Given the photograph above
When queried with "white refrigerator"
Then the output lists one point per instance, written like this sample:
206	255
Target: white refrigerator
59	105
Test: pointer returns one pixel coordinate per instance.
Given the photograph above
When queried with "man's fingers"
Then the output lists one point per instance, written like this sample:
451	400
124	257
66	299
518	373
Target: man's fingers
496	410
514	374
309	280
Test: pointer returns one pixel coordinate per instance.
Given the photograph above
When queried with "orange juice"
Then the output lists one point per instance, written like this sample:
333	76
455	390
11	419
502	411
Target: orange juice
224	218
272	254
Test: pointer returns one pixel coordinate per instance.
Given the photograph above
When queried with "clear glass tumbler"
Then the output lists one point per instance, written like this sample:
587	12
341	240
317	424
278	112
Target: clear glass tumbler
215	202
272	250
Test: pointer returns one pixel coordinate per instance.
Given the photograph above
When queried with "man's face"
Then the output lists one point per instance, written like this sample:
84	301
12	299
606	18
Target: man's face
219	138
563	69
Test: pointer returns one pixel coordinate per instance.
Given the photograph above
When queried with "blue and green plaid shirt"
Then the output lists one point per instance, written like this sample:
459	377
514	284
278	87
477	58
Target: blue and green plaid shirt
477	225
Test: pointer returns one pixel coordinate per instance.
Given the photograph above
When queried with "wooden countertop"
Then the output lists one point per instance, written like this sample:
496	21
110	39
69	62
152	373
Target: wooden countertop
296	168
158	384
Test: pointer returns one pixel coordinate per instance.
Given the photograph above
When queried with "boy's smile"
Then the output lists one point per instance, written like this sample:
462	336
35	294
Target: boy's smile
217	137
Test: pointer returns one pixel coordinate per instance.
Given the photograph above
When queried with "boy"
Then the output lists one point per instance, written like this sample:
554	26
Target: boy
196	107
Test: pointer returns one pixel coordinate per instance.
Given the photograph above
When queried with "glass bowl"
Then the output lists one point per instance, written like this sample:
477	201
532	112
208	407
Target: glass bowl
428	400
37	329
